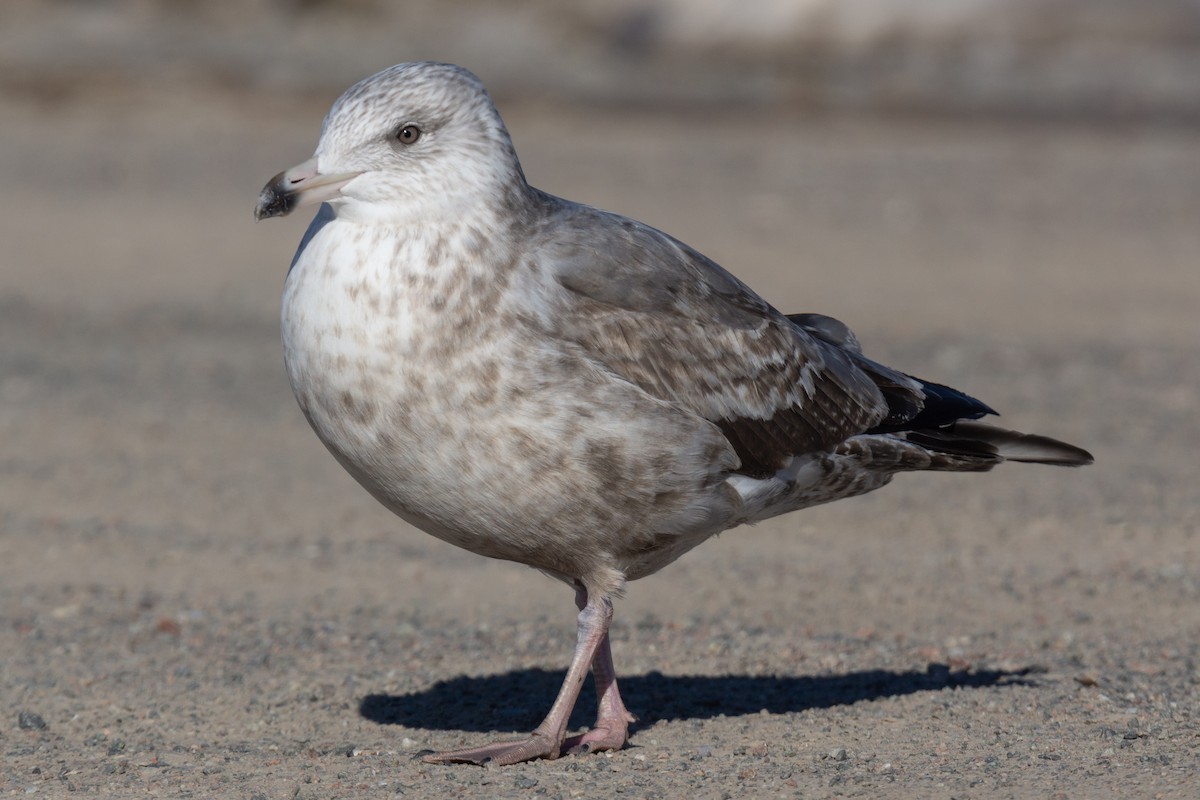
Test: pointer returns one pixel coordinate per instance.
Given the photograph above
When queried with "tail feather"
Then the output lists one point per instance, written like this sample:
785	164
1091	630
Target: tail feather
976	438
939	418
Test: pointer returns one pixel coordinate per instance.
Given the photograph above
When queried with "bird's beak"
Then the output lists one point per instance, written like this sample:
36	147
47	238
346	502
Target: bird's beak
302	185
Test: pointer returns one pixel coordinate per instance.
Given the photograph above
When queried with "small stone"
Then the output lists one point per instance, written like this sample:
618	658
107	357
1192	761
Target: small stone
29	721
838	754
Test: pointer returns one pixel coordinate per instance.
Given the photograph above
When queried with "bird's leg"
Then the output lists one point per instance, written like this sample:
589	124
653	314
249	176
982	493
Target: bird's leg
546	741
611	730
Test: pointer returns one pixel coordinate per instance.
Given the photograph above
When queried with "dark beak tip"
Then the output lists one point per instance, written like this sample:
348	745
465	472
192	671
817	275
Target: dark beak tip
272	203
276	199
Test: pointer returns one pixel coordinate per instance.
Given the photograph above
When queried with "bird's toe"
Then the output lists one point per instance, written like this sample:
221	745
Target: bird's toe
499	754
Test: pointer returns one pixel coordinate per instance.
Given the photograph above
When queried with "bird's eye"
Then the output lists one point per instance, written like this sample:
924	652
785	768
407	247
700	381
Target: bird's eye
408	134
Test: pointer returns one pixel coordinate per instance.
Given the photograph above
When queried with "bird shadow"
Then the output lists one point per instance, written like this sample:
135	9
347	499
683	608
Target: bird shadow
517	700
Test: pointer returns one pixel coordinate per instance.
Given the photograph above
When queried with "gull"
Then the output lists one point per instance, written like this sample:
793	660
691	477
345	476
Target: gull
537	380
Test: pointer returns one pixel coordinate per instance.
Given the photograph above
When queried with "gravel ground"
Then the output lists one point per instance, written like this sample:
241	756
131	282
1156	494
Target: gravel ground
197	602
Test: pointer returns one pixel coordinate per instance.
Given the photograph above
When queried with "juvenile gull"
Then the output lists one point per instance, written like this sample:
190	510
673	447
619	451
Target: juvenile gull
540	381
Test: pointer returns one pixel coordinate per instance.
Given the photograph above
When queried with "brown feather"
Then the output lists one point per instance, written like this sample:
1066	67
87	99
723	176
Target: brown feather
671	321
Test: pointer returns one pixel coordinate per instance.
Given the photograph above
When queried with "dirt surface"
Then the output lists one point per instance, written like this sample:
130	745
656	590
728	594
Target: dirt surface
195	601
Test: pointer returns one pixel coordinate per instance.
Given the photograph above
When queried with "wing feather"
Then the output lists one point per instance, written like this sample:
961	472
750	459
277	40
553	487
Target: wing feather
666	318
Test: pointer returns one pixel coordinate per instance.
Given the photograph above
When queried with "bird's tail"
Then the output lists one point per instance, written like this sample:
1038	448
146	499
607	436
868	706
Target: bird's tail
864	463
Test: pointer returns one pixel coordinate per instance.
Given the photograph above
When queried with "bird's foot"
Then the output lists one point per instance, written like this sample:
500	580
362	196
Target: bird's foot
611	732
597	740
499	754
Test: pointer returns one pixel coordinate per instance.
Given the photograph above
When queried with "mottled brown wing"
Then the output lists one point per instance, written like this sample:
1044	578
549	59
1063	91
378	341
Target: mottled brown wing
676	324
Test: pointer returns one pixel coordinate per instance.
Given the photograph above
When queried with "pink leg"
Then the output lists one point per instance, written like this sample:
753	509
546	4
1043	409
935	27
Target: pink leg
611	730
546	741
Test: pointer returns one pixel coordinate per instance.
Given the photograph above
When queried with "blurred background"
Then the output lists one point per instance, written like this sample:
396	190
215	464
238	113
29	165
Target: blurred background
1000	194
1003	195
1049	58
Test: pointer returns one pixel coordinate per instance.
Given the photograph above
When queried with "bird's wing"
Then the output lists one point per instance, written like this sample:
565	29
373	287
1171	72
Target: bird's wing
666	318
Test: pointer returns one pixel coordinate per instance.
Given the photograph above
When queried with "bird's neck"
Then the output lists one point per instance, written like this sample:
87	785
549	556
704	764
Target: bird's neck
420	261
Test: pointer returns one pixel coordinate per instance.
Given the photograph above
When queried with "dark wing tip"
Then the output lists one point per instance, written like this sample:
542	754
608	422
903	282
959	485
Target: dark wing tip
977	438
939	406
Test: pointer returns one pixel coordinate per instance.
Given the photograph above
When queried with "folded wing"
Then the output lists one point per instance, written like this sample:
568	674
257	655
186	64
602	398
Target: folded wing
673	322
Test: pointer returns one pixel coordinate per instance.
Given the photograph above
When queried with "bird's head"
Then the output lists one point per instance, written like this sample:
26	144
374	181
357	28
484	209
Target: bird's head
413	141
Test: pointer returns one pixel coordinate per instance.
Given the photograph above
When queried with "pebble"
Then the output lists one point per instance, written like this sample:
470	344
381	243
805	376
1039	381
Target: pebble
29	721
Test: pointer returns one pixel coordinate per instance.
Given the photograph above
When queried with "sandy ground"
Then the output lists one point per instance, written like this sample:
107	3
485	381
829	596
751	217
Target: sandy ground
197	602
